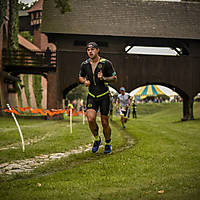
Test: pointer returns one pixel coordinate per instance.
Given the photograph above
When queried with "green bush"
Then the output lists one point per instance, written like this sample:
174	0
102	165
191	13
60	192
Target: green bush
27	92
37	88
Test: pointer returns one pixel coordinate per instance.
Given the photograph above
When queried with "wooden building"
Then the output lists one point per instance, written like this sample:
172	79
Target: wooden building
28	58
116	24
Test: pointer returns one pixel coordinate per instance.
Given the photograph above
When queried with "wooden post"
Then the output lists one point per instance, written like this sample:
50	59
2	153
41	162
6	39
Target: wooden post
187	108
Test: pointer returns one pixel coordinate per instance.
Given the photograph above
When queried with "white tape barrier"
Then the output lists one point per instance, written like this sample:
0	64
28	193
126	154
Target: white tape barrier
70	114
22	139
83	117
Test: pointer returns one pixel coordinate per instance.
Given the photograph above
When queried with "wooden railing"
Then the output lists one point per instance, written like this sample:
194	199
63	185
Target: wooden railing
28	61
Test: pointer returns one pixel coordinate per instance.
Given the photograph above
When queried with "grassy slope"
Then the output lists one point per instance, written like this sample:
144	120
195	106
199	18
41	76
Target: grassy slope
165	156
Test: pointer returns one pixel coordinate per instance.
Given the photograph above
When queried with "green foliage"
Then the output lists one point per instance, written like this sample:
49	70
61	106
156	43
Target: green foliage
63	5
19	97
26	6
27	92
79	92
3	6
27	35
23	6
13	24
14	6
37	88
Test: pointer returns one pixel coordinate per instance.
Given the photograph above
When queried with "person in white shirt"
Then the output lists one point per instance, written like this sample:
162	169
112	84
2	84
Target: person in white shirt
123	101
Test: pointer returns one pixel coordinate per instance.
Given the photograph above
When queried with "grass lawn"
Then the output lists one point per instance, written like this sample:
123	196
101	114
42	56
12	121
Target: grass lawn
156	157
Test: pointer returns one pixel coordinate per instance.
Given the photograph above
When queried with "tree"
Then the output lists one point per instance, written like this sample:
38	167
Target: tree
63	5
23	6
26	6
79	92
8	19
3	6
27	35
11	15
13	25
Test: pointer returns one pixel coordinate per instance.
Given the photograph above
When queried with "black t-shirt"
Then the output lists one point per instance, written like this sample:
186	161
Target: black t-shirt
97	86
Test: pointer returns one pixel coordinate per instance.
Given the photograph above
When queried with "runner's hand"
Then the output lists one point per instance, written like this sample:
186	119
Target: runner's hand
100	75
87	83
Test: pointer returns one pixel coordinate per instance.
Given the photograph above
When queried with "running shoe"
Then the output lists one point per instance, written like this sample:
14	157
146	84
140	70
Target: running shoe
96	145
124	127
108	148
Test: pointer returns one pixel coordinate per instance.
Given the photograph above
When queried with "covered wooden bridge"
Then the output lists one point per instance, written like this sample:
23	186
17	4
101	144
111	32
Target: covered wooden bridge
116	24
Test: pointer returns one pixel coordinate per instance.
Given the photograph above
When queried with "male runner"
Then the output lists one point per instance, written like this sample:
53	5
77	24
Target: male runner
124	101
96	73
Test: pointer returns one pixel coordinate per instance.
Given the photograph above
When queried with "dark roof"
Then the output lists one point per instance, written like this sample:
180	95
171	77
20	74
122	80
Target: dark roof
125	18
38	6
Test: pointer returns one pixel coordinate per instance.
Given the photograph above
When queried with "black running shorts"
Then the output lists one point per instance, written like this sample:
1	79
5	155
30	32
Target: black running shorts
124	113
102	103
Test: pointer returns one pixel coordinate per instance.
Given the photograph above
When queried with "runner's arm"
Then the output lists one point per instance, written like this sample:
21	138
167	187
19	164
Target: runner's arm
110	75
83	75
110	79
84	81
117	102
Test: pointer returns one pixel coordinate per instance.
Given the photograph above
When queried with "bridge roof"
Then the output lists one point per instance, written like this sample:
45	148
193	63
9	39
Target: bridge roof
131	18
36	7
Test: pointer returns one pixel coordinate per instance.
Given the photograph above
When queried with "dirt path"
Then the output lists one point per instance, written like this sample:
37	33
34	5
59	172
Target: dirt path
28	165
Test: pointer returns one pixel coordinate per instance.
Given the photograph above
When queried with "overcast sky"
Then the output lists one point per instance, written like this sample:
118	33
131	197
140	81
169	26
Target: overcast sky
27	1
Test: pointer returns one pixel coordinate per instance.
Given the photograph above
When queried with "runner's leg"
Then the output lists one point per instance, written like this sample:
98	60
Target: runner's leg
104	109
91	115
122	120
126	115
106	127
104	104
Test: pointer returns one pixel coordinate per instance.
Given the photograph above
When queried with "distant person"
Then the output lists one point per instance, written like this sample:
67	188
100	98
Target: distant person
96	73
123	101
48	56
134	110
70	105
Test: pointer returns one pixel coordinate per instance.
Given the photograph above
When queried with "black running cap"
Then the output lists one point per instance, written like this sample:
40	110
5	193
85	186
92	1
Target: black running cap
92	45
